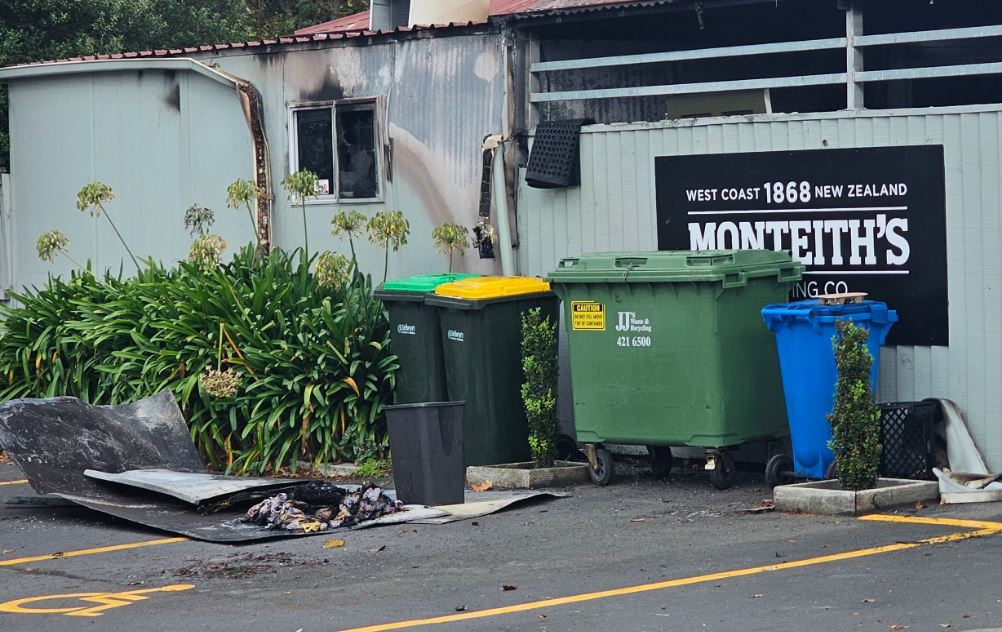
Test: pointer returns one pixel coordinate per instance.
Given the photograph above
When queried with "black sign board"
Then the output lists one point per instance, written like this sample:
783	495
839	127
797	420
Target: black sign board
861	220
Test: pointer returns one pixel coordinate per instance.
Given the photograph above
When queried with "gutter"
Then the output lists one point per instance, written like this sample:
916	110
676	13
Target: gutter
250	104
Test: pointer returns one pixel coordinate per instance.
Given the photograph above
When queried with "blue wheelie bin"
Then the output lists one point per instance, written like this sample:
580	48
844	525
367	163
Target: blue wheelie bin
804	332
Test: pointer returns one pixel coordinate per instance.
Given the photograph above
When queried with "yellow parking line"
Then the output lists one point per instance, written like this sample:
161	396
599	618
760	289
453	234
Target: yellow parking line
946	522
101	549
22	482
700	579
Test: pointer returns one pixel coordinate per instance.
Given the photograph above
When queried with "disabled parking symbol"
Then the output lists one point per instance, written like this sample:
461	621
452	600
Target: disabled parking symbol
47	604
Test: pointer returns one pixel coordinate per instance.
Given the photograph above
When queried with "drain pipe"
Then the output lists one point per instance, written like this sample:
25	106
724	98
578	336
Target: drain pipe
500	196
253	109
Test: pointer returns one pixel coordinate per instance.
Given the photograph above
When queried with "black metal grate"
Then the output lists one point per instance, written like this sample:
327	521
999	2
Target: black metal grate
554	160
906	434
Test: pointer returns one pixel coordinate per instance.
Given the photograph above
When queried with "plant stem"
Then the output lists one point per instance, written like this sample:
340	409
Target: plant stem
306	235
72	260
386	261
257	239
219	354
450	262
115	228
351	244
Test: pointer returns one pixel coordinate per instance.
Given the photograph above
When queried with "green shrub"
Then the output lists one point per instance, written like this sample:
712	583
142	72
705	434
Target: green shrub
373	468
300	371
855	417
539	391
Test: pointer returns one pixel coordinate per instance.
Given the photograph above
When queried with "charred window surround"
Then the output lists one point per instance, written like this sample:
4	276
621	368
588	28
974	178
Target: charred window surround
337	141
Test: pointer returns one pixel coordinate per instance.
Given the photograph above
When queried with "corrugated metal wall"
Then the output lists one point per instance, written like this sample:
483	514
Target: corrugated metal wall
162	140
6	238
614	208
165	140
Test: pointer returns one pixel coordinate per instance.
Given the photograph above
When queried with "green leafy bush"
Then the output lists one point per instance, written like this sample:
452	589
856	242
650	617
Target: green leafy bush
539	391
299	371
855	417
373	468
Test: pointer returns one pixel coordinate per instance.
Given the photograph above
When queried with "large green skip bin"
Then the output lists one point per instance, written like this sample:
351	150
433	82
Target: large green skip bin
666	349
415	336
481	332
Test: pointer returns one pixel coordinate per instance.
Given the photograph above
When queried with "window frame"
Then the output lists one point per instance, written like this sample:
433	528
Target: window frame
355	103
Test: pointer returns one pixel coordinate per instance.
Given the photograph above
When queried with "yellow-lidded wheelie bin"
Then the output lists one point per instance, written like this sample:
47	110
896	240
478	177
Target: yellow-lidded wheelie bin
481	328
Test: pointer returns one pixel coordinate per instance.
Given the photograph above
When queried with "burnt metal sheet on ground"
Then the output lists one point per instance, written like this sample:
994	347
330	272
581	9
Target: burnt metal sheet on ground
193	487
54	440
175	516
477	504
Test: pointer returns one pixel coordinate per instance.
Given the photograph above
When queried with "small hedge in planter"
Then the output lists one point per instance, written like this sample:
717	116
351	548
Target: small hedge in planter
855	417
539	391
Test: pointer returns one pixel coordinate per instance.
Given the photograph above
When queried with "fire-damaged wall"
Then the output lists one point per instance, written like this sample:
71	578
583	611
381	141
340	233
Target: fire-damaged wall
165	140
436	99
922	230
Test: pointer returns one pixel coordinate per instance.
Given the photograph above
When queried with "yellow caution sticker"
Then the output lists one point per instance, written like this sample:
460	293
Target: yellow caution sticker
587	316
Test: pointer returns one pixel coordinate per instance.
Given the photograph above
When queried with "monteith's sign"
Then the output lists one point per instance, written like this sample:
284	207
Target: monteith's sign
861	220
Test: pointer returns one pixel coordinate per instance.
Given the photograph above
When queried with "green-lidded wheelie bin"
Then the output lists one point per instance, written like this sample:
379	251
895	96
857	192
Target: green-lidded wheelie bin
481	329
666	349
415	335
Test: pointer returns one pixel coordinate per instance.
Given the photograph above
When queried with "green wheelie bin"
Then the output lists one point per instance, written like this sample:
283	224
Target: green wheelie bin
667	349
481	329
415	335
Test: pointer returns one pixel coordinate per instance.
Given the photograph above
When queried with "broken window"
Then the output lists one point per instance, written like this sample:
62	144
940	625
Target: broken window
314	144
338	143
356	151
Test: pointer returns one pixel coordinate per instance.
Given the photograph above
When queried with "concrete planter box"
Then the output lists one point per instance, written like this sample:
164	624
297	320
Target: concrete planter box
527	476
828	497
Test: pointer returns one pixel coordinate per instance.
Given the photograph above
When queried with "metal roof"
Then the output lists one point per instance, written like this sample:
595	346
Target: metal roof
498	8
532	8
356	25
354	22
279	41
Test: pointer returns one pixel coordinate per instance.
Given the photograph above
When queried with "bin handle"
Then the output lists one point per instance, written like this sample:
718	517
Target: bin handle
791	273
735	279
703	260
569	262
630	262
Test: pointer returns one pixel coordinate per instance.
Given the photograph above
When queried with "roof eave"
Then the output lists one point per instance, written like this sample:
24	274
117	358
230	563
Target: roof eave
64	68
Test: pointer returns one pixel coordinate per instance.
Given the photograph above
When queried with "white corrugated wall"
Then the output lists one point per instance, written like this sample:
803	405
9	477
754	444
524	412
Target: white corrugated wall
614	208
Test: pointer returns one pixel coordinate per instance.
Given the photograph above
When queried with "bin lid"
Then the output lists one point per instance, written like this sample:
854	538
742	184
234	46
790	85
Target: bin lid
422	282
814	311
732	267
488	287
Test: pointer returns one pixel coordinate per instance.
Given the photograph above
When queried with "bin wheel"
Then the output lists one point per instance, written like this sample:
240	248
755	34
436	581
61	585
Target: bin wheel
831	471
602	473
567	448
778	470
722	474
661	459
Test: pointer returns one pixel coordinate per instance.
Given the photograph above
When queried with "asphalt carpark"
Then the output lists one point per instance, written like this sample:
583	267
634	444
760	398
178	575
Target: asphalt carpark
641	554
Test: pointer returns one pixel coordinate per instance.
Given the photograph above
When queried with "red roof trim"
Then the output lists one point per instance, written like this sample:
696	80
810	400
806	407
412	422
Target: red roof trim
354	22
